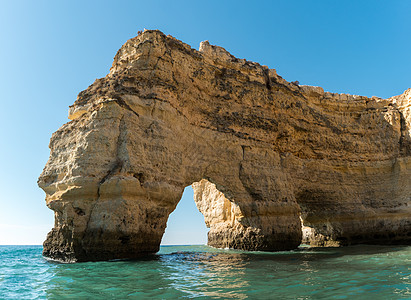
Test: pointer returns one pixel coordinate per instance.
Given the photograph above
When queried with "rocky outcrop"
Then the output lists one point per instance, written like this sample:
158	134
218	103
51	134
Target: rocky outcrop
268	159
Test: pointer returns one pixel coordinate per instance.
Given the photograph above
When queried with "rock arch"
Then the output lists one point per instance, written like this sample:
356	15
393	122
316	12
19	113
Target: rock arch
262	155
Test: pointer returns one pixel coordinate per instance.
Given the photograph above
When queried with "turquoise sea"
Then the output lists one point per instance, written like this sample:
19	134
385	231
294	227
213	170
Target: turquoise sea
357	272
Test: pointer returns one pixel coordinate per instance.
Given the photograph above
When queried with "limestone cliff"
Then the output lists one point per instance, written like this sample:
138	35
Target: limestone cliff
263	156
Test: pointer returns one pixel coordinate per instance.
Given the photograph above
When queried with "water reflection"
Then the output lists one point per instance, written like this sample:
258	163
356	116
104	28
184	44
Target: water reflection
202	272
208	274
117	279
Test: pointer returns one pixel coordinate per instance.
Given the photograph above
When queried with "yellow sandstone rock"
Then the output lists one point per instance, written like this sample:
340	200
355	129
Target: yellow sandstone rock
269	160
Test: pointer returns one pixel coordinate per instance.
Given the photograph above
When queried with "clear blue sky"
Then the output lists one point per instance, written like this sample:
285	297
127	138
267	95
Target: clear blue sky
51	50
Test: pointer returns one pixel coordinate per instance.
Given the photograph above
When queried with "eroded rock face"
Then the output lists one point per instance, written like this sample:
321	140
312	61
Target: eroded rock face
262	155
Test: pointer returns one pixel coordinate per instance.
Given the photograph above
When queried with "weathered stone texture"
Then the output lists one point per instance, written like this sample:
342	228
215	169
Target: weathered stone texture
262	154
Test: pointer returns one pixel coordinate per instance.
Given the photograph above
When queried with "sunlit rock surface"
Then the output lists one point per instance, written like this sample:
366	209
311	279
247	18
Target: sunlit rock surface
269	160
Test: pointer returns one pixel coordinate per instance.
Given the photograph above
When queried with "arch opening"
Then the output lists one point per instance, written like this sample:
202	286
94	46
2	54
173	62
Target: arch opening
220	215
186	224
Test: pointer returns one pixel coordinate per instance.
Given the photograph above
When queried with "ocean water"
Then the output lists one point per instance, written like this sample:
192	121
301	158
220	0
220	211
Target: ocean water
357	272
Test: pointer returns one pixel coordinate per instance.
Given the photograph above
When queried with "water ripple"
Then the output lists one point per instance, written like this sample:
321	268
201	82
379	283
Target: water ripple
202	272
